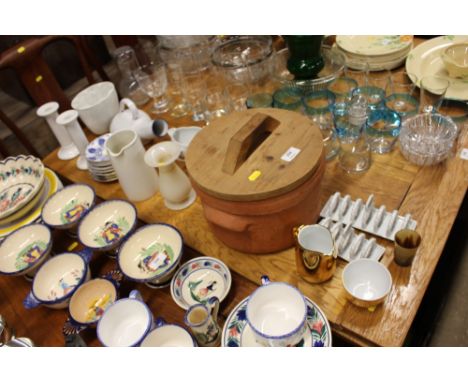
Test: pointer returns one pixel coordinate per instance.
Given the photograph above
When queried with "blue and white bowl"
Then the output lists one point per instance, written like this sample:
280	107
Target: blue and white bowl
65	208
57	279
168	335
151	254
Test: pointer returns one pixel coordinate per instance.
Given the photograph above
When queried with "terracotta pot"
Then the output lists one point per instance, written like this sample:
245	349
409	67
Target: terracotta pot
264	226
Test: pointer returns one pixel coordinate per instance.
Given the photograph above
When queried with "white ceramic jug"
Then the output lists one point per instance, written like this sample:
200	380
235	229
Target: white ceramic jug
138	180
131	118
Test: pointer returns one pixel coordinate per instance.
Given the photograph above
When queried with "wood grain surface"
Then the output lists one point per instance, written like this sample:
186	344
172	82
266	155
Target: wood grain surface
432	195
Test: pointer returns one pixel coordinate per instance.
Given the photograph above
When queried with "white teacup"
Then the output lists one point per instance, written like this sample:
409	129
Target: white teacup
126	322
277	314
168	335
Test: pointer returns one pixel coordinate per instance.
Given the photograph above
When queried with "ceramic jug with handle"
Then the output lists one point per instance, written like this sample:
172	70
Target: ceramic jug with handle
130	117
316	253
138	180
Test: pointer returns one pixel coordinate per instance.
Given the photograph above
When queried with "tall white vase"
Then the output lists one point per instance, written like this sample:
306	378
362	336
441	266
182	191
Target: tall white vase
69	120
68	149
174	185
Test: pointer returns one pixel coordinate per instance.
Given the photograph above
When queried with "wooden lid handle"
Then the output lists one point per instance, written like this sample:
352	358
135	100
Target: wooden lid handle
247	140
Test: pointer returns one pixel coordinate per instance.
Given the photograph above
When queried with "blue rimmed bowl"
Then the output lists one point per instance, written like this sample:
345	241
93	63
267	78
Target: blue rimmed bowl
57	279
106	225
151	254
168	335
64	209
24	250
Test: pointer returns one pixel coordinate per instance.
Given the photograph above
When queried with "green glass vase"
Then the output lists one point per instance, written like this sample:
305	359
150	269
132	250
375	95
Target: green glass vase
305	59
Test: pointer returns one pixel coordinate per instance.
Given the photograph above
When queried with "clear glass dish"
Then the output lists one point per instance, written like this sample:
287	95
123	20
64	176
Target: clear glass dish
427	139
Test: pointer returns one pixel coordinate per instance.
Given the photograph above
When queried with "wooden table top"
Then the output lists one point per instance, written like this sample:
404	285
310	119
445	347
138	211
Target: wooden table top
433	196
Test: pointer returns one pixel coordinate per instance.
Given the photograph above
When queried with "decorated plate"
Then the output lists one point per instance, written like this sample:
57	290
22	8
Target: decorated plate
198	280
51	185
96	150
374	45
237	332
426	60
21	178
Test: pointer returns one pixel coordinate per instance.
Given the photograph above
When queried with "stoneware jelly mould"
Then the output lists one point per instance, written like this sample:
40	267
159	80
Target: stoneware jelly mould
57	280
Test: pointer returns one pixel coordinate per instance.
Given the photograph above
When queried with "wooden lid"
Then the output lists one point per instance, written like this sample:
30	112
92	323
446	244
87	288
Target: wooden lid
254	154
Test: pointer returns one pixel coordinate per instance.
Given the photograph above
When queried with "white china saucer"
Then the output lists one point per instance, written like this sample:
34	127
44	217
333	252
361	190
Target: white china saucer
237	332
199	279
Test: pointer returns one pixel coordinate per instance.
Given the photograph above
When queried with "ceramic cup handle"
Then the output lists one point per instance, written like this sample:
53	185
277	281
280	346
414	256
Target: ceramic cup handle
135	295
265	280
130	105
160	322
31	302
114	276
86	254
213	305
71	327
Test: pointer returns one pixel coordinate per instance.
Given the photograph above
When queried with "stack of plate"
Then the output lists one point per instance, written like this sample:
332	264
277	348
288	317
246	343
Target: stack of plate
380	52
24	178
99	163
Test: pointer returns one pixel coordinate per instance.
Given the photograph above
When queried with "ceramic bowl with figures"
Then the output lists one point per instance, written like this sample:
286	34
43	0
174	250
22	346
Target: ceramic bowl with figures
21	178
91	300
65	208
24	250
107	224
56	281
151	254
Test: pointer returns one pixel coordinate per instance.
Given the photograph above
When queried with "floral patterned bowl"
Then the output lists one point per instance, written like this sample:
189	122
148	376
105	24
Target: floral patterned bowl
151	254
106	225
24	250
56	281
21	178
65	208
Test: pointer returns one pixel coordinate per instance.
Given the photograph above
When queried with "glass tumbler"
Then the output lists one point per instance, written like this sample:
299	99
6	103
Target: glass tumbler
382	130
153	80
432	93
354	155
401	94
375	90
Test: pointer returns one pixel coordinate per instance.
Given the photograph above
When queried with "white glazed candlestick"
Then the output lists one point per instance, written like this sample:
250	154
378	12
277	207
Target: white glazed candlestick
69	119
68	150
174	185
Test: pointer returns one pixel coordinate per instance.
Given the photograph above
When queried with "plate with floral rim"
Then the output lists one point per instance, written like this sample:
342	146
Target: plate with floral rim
198	280
374	45
237	332
426	60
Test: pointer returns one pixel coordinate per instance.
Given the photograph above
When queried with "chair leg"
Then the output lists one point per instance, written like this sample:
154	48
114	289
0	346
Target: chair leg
92	59
18	133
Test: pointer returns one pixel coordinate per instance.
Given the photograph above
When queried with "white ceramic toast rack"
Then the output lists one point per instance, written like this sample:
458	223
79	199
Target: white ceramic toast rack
366	217
352	246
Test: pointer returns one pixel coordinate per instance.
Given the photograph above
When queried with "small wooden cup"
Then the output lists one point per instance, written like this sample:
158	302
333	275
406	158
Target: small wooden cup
406	245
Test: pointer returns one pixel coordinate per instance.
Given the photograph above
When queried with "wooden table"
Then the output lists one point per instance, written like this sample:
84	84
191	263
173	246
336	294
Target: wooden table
433	196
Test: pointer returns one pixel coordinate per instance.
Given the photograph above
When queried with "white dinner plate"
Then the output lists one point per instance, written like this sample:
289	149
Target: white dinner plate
426	60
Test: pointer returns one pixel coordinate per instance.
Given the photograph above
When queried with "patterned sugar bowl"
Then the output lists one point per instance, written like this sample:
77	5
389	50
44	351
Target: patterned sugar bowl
24	250
67	207
168	335
277	314
126	322
151	254
91	300
21	178
105	226
57	279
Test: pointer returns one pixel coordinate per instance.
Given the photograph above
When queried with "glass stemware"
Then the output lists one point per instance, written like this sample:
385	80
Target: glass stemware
152	78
